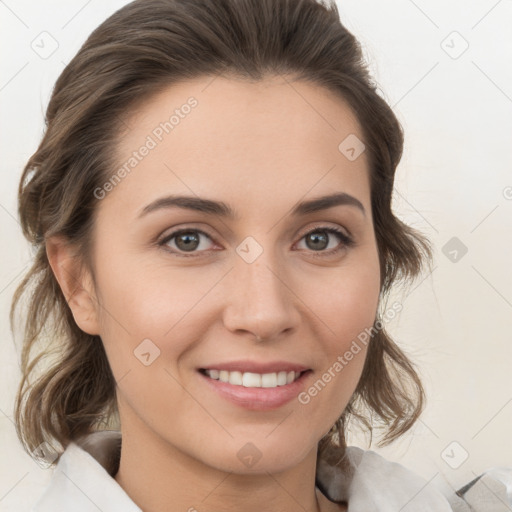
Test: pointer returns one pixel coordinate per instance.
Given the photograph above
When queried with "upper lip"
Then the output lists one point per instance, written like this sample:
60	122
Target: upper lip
255	367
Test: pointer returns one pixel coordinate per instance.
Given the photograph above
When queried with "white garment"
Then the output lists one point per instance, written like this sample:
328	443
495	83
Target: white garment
83	481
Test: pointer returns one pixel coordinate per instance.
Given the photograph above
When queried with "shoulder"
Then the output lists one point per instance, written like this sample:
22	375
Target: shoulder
370	482
82	480
492	490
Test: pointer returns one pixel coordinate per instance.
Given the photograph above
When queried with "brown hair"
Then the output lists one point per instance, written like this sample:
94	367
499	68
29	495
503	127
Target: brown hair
139	50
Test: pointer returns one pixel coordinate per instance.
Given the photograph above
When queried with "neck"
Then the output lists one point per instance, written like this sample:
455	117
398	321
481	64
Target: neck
160	477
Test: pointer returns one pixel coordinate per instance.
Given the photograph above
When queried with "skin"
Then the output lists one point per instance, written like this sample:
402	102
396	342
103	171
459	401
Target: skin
260	147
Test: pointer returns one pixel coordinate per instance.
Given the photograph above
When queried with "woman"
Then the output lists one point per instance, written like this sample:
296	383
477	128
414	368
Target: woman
196	154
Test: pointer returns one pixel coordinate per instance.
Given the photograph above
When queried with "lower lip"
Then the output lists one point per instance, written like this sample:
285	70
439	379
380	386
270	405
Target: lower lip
258	399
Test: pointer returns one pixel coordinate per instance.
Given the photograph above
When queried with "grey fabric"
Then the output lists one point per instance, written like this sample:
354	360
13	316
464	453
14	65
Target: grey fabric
483	494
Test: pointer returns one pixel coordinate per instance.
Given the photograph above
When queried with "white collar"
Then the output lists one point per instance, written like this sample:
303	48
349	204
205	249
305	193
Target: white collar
83	480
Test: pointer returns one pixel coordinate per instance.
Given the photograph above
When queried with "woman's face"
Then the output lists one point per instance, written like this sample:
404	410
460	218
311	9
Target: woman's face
171	306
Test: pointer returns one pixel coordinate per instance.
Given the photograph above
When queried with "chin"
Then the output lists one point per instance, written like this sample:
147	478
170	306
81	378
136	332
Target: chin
258	454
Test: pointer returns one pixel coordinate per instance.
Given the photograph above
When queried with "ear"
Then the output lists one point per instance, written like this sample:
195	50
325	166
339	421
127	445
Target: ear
77	289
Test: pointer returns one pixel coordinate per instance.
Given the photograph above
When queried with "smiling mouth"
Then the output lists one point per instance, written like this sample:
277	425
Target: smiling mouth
253	380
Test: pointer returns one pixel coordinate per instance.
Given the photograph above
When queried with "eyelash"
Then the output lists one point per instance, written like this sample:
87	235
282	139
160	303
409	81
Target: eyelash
346	240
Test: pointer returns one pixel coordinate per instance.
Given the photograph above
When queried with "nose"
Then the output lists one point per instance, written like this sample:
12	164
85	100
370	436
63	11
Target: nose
260	301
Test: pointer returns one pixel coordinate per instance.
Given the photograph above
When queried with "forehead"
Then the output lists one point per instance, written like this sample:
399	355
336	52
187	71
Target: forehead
215	136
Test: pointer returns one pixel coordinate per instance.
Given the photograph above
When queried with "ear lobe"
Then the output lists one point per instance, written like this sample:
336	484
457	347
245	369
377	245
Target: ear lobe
77	289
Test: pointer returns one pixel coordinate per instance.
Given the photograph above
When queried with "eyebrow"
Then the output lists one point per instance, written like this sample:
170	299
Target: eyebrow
221	209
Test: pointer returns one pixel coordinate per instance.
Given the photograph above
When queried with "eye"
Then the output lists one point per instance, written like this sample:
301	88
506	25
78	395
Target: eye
188	240
318	239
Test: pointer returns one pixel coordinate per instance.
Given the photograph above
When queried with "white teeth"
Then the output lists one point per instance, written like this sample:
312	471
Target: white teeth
254	380
235	378
281	378
269	380
251	380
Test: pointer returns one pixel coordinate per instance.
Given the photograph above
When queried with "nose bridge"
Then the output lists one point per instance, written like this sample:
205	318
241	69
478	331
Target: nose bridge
260	300
262	281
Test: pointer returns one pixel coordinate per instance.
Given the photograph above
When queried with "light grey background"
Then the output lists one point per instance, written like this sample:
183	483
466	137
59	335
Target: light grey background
455	180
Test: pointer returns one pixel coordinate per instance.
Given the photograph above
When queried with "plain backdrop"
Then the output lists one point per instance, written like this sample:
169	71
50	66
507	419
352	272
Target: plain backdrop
445	69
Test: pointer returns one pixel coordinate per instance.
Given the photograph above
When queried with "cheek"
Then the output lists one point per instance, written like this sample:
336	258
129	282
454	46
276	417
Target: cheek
148	299
141	311
148	324
347	304
347	300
